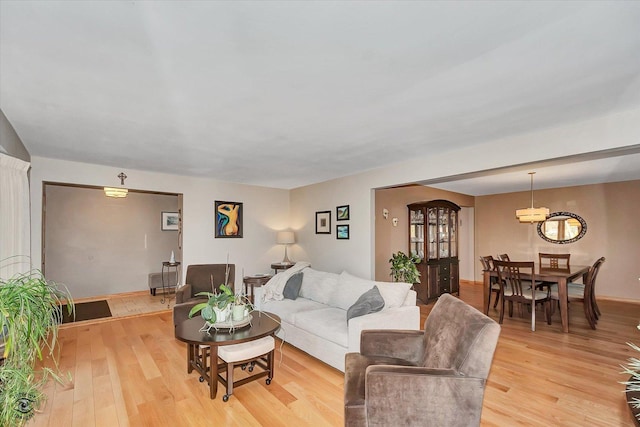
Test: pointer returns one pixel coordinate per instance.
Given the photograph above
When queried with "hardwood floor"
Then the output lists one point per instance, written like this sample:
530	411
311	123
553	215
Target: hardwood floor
132	372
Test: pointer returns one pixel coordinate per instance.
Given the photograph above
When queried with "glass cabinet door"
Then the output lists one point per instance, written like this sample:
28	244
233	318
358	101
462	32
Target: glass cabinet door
454	233
432	214
443	232
416	232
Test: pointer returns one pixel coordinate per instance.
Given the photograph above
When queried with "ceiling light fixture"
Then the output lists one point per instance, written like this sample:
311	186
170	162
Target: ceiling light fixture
532	214
117	191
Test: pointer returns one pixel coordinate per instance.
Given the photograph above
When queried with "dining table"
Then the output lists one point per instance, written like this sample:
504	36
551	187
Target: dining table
561	276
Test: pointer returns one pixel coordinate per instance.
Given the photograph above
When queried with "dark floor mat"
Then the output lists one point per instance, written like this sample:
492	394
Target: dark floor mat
86	311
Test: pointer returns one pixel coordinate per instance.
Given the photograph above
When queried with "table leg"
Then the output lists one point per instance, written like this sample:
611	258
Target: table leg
485	288
213	371
191	357
564	303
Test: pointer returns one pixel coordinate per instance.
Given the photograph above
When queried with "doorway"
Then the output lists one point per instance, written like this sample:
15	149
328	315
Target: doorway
98	245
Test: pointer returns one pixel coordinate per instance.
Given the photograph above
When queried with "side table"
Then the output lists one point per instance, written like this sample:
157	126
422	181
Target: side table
167	286
280	266
253	281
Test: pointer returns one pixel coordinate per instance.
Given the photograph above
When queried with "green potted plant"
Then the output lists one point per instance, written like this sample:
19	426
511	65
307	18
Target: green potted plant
633	384
217	307
30	312
403	268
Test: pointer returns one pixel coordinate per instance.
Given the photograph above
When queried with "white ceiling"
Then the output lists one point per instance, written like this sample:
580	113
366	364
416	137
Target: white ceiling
285	94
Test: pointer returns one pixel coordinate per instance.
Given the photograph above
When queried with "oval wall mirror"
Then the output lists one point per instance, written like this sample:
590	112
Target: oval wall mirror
562	227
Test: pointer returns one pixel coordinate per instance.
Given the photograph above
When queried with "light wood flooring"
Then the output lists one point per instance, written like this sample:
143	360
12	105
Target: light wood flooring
131	371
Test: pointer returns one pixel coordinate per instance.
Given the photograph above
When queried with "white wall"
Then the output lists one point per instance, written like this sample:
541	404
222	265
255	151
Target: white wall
357	256
466	243
265	211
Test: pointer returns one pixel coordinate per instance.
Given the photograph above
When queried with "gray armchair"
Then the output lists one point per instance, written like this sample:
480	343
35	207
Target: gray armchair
200	278
434	377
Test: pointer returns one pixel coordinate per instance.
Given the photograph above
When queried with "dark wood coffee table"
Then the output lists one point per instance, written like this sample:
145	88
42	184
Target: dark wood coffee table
262	325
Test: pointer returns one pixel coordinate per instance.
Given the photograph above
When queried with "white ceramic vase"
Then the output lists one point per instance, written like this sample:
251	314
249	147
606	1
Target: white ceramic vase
238	312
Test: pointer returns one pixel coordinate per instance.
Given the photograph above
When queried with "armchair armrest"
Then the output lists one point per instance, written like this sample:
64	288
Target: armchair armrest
405	317
401	344
181	312
183	293
395	395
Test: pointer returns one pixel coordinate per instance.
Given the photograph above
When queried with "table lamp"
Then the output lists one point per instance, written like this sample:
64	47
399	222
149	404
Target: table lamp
285	238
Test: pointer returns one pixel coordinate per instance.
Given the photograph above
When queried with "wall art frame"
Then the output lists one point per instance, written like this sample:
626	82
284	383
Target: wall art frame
170	221
228	219
323	222
342	231
342	213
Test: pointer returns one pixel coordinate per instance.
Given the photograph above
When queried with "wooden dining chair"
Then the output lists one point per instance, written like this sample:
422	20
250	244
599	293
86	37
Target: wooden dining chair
553	260
584	293
515	289
504	257
494	286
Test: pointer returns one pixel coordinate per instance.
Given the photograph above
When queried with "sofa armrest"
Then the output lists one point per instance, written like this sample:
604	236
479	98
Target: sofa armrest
183	293
405	317
395	395
411	299
401	344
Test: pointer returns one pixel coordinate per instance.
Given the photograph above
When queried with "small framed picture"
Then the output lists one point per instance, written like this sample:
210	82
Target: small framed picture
342	232
323	222
170	221
342	213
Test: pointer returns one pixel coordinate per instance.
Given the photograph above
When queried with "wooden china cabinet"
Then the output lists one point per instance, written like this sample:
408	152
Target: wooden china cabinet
433	236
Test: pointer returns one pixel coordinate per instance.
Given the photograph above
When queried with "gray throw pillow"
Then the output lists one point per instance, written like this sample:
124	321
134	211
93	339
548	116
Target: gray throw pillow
292	287
369	302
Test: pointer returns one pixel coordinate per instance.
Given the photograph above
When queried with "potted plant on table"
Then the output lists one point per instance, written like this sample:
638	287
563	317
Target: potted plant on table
404	269
30	312
217	307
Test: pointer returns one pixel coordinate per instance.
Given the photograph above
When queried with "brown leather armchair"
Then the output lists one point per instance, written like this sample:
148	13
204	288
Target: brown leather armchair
434	377
200	278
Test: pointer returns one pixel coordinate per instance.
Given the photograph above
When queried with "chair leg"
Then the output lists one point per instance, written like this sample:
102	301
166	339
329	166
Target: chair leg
547	307
502	311
497	297
230	367
589	314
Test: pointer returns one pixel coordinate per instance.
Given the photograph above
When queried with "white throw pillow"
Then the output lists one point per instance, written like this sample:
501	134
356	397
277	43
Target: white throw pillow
349	290
318	285
393	294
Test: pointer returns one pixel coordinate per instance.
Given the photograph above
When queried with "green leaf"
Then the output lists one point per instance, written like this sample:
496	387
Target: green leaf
196	308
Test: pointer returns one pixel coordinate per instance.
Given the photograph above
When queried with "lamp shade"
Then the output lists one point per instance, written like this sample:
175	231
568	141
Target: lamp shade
285	237
532	214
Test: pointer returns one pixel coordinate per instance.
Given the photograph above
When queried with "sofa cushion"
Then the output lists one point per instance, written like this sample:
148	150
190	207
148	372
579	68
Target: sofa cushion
369	302
329	323
292	288
318	285
394	294
288	308
349	290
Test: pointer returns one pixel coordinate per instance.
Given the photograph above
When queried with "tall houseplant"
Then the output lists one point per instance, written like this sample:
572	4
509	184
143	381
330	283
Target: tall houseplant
403	268
633	384
30	312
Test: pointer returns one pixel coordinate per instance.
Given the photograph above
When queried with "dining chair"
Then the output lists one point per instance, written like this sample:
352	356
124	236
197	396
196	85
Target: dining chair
494	286
553	260
504	257
584	292
515	289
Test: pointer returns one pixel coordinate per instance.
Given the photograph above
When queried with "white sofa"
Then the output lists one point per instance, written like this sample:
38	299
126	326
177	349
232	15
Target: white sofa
316	322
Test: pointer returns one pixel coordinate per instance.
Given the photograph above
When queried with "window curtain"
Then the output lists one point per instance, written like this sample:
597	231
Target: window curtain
15	235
